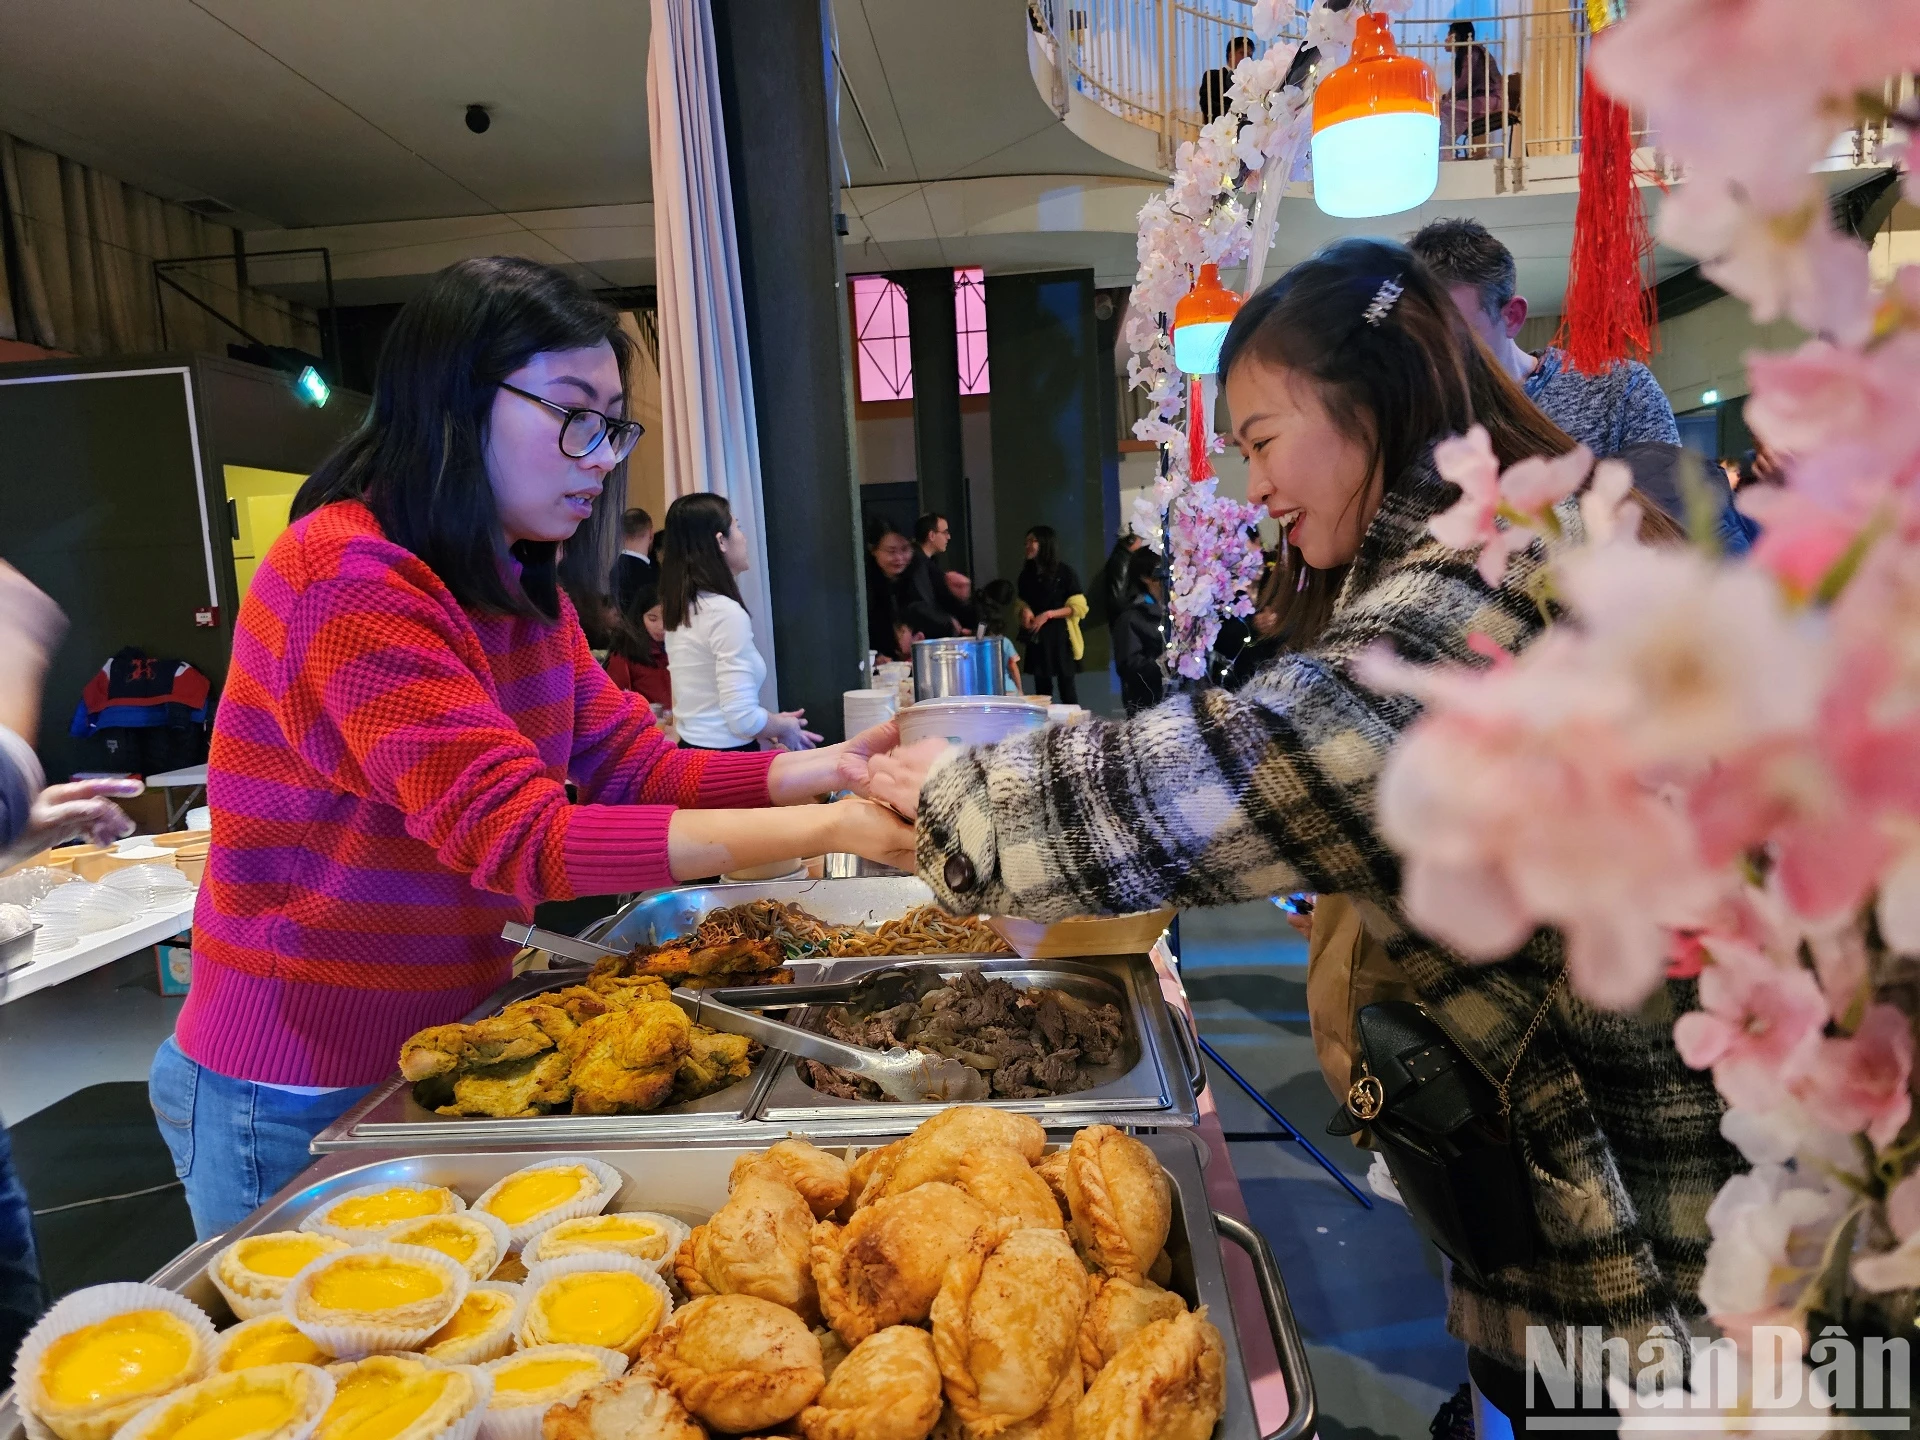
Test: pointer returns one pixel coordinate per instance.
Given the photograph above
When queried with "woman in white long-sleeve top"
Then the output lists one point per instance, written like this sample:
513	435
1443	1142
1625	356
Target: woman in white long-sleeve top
717	671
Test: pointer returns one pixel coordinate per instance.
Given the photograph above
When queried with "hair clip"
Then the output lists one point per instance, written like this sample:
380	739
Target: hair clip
1383	300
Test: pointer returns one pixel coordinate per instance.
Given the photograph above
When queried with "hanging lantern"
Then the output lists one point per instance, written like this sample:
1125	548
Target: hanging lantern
1376	129
1200	323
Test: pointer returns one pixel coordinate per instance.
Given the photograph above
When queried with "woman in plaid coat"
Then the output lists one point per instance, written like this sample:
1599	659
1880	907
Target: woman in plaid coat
1340	377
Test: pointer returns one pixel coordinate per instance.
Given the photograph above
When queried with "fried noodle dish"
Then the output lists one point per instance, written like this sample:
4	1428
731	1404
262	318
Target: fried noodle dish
925	930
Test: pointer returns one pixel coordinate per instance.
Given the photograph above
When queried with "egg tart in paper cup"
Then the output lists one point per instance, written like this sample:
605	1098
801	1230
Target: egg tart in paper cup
528	1383
613	1302
639	1234
254	1271
263	1402
373	1298
266	1340
365	1214
480	1330
563	1188
357	1381
433	1402
103	1354
478	1241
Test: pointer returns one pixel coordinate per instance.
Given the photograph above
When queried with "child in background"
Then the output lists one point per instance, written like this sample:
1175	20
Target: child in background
637	657
996	609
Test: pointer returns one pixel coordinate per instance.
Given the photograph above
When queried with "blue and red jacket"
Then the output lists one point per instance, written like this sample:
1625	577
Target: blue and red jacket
133	691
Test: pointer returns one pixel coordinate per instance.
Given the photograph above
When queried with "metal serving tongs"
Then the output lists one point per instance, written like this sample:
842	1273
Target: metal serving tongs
866	994
911	1076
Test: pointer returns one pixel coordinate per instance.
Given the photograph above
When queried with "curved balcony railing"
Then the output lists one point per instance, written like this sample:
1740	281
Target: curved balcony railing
1511	93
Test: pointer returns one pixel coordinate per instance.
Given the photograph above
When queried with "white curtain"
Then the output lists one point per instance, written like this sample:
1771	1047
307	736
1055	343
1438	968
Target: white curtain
706	389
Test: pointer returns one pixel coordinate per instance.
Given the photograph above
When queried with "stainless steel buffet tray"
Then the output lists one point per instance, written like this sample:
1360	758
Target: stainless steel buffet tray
390	1116
690	1182
668	914
1151	1082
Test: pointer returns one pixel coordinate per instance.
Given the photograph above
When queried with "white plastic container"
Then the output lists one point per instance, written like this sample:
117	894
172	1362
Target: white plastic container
970	719
860	709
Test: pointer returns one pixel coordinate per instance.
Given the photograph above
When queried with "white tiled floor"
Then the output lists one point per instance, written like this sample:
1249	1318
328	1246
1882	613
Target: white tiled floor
98	1027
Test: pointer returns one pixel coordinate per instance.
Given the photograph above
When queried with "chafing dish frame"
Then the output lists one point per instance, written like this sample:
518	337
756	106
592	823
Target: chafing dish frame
1193	1244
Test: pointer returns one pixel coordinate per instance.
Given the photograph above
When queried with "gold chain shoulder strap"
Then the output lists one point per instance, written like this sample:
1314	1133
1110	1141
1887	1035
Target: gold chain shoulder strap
1368	1097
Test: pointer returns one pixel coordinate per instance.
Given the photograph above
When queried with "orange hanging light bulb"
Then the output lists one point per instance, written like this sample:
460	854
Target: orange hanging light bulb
1200	321
1376	129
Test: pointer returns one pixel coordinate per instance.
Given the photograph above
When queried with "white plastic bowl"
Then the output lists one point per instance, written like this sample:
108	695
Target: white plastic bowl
970	719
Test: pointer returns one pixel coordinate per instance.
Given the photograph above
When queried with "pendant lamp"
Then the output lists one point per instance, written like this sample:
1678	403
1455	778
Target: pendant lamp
1376	129
1200	322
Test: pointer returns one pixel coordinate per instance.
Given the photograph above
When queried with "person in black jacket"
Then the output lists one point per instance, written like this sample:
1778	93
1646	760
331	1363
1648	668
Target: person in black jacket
1216	82
894	619
1046	584
1113	576
1138	635
634	570
924	582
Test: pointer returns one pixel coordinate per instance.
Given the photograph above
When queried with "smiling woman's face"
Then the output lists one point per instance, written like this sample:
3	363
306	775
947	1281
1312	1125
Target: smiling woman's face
1319	482
540	493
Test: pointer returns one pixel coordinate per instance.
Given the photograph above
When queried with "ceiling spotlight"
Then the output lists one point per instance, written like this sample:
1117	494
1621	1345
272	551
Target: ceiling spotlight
312	388
1709	397
478	119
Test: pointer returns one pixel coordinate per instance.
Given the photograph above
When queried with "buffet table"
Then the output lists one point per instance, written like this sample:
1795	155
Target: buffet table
157	923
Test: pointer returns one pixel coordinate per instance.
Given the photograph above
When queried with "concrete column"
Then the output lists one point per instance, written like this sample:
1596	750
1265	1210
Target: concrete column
936	404
774	66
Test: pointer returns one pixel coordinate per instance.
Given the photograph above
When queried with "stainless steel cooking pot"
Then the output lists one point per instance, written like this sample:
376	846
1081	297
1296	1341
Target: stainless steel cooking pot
962	666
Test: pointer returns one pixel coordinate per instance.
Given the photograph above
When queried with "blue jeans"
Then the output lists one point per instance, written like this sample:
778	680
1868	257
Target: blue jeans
234	1143
22	1296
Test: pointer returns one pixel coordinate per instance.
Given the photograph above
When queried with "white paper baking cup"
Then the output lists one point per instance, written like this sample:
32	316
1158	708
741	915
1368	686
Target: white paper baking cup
88	1307
481	1348
318	1400
367	1234
610	1182
676	1233
546	1270
353	1342
466	1426
236	1334
249	1307
502	1241
522	1422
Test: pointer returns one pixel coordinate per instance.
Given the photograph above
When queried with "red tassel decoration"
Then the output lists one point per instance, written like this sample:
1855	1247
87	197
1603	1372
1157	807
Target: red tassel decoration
1199	432
1609	307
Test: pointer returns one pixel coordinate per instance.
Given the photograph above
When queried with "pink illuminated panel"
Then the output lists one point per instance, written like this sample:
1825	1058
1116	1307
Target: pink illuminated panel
970	319
884	359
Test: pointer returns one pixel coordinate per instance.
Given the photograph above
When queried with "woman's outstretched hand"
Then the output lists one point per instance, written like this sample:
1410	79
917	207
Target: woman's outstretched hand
857	753
873	832
896	778
789	731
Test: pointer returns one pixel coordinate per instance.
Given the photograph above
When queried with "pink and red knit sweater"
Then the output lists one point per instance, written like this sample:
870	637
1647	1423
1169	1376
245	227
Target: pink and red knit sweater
387	784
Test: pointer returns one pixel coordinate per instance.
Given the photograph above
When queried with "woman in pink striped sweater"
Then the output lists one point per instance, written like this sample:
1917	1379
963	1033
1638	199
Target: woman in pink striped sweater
409	696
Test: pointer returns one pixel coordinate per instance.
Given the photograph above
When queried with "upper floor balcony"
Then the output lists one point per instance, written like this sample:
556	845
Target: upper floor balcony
1510	82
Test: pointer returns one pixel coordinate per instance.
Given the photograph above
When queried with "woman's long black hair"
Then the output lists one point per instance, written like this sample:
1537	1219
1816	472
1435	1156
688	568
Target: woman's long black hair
418	460
691	564
1414	375
1046	560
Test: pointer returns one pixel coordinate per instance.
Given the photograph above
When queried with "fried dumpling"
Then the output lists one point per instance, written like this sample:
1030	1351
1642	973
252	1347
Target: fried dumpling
822	1178
1053	1169
1167	1383
1006	1186
1006	1325
867	1176
737	1362
1120	1307
885	1265
637	1406
935	1150
758	1243
1121	1203
888	1388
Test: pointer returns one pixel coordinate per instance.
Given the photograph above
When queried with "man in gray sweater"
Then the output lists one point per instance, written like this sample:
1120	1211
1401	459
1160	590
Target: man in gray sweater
1606	413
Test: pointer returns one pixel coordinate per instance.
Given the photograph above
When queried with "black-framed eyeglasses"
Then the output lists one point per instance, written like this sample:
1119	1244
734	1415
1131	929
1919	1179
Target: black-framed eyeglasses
582	429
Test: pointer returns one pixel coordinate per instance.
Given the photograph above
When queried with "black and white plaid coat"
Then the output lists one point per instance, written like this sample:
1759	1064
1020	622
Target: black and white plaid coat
1215	798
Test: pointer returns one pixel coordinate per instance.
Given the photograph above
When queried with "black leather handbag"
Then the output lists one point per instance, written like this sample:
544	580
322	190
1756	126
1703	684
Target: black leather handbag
1442	1123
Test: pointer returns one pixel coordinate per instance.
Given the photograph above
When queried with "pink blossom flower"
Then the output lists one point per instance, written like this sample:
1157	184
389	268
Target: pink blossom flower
1858	1082
1788	262
1856	408
1770	1229
1903	1208
1500	514
1898	1268
1705	655
1607	511
1757	1018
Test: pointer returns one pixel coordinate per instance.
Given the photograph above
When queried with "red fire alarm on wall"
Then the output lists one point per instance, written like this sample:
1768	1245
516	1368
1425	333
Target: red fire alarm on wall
207	617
